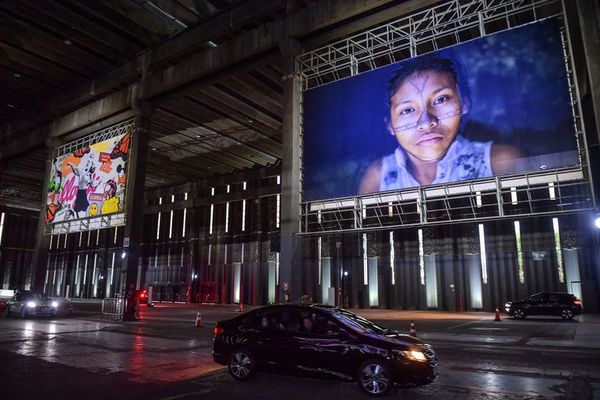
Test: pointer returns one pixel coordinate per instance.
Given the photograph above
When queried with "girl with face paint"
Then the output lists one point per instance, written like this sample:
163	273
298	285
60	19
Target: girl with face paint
426	110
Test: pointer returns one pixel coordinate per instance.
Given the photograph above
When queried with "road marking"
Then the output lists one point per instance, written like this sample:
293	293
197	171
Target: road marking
488	329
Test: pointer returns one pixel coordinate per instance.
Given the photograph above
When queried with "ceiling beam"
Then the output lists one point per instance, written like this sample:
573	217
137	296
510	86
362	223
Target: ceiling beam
178	78
90	114
253	44
227	102
201	152
125	74
250	149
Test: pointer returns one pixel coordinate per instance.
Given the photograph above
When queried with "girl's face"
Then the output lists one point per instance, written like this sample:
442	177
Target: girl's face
109	191
425	114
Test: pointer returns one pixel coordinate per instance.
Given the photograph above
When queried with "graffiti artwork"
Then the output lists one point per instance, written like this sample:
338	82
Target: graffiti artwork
89	182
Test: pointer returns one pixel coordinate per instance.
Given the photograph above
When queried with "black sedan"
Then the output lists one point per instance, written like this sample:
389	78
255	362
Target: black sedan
546	303
324	340
26	303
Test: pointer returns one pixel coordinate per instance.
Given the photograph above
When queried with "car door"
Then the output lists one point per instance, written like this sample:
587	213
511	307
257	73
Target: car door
536	304
324	347
266	337
553	304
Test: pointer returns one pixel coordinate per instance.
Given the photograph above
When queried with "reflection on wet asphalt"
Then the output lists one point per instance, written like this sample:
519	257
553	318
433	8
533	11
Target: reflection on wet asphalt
478	361
94	347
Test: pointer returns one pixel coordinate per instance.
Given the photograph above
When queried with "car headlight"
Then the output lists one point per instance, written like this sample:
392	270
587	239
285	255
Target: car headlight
55	304
31	304
413	355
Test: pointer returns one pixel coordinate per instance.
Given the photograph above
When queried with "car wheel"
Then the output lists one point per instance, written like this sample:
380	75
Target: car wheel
241	365
374	378
519	314
566	314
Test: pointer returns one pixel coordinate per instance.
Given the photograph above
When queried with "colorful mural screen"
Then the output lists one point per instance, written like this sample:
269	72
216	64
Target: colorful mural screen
494	106
89	182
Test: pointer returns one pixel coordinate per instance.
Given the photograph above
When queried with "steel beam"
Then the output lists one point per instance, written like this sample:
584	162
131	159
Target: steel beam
253	44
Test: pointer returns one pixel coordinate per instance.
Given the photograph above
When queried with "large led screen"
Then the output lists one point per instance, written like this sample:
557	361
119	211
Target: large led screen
89	182
493	106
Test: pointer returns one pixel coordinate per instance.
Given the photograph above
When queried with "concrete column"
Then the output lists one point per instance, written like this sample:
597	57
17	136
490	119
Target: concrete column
290	267
40	255
193	267
134	203
589	14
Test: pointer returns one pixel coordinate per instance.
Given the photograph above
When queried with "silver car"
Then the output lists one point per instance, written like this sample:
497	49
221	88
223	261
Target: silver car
26	303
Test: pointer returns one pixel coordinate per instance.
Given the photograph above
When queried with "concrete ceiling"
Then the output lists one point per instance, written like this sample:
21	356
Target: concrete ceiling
211	70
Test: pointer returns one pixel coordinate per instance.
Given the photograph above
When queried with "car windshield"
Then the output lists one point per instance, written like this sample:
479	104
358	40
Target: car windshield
358	322
36	296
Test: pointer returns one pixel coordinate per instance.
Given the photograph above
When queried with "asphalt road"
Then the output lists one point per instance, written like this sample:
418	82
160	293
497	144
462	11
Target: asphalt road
164	356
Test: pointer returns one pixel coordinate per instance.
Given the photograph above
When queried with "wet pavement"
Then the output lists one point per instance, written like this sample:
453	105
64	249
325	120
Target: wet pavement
164	356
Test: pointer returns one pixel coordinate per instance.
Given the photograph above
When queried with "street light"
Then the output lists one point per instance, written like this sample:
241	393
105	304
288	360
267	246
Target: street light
597	221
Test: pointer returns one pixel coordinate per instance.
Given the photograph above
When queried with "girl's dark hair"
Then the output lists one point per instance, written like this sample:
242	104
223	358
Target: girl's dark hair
113	186
428	62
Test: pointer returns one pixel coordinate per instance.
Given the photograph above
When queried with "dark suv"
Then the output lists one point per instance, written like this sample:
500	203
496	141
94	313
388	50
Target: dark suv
324	340
547	303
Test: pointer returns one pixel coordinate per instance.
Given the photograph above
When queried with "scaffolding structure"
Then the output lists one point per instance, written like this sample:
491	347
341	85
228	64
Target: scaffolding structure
96	137
513	197
546	192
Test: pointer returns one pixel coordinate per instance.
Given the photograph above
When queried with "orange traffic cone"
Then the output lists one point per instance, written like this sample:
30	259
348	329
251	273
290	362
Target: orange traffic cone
199	323
241	307
497	317
413	331
70	311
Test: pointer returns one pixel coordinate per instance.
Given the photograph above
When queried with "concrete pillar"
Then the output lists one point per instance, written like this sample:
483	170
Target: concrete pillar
40	255
134	204
194	265
589	14
290	267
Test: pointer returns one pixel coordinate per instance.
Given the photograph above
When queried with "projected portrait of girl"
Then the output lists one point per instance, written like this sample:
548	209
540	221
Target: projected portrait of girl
426	107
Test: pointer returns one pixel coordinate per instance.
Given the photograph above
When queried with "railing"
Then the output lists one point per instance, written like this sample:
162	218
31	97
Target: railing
541	193
113	307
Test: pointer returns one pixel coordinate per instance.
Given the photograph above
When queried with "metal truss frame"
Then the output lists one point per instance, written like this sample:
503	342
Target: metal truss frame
98	136
549	192
518	196
445	25
86	224
101	221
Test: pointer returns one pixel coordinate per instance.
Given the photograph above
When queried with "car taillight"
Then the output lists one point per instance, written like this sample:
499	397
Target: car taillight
219	330
577	302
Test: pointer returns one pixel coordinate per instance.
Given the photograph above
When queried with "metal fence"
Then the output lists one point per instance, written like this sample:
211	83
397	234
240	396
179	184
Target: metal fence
113	307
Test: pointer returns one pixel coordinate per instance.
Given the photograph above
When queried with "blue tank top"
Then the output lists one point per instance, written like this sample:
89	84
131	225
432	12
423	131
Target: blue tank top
465	160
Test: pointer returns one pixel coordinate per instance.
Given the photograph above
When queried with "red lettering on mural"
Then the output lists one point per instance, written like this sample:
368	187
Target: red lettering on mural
69	191
96	197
